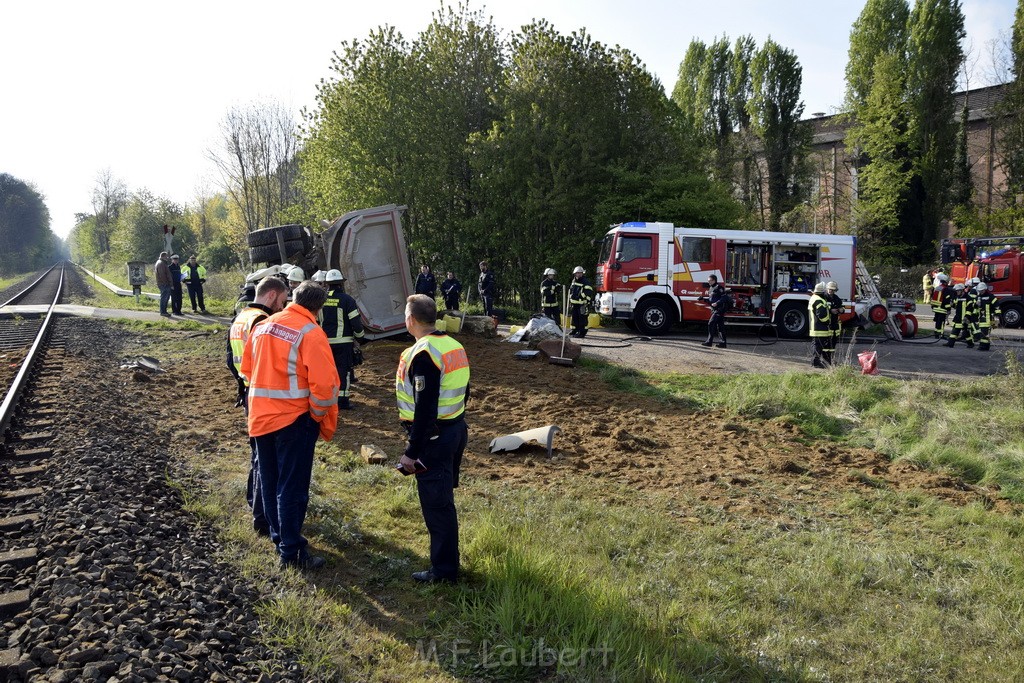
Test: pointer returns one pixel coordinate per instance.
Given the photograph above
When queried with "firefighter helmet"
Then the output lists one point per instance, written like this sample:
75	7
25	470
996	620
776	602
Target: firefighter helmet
549	271
577	270
819	288
832	286
958	287
296	275
942	277
981	288
974	281
334	275
318	276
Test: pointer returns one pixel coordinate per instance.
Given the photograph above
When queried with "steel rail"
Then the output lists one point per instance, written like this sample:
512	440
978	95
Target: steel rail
34	283
14	393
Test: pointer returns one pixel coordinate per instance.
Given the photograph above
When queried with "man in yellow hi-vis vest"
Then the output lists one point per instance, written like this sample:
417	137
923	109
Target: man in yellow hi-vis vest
432	387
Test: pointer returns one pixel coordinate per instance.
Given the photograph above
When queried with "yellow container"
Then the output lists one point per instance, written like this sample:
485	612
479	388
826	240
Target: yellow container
453	324
594	320
513	329
440	325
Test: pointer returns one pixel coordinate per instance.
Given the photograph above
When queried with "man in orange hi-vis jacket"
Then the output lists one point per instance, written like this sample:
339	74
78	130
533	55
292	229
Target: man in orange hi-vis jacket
293	399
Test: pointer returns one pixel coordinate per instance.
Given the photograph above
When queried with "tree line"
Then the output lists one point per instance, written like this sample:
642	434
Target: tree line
523	149
26	240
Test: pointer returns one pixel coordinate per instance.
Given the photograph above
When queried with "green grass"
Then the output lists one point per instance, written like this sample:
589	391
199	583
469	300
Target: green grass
220	291
973	429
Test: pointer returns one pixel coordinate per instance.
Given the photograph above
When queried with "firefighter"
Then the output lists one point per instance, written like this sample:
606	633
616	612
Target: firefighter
451	290
270	297
293	400
341	322
821	334
961	317
294	278
942	299
320	277
194	276
972	320
716	298
581	297
988	309
431	389
549	295
928	285
836	308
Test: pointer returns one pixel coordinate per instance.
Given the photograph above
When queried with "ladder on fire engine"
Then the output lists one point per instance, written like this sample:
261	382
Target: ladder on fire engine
869	290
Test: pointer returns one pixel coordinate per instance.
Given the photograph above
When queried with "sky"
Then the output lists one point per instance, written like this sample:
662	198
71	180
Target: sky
141	88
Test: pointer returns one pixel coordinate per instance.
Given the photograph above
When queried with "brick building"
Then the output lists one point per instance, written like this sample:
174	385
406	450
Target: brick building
833	179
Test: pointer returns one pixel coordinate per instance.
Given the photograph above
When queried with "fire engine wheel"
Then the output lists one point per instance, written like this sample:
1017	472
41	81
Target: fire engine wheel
653	317
268	236
1011	315
791	321
269	253
907	323
878	313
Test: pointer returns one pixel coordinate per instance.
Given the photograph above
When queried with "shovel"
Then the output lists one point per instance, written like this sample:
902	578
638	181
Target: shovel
560	359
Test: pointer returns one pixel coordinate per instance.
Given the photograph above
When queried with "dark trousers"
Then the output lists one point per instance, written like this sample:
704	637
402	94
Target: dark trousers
343	358
551	312
166	291
176	299
436	488
578	315
822	355
488	302
940	323
195	292
451	303
253	495
716	327
285	459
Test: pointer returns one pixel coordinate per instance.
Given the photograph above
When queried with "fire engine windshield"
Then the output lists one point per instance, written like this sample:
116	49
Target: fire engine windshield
606	248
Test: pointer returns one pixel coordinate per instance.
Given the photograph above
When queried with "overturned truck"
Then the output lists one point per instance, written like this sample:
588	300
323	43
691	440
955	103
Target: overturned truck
367	246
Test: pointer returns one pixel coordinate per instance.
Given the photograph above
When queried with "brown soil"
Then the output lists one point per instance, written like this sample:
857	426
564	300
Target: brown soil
626	441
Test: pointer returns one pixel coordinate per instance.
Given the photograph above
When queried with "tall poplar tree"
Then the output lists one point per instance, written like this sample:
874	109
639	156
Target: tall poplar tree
1011	108
934	56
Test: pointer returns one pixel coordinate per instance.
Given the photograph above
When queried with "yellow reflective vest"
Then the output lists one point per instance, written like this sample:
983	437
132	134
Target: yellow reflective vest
450	358
241	328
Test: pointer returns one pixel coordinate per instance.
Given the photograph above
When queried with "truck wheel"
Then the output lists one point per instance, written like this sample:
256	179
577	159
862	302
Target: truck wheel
269	253
1011	315
267	236
791	321
653	317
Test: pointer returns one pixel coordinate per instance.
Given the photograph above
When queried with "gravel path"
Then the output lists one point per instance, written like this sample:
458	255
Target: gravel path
128	586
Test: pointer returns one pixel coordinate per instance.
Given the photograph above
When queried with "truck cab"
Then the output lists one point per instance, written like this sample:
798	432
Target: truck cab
997	261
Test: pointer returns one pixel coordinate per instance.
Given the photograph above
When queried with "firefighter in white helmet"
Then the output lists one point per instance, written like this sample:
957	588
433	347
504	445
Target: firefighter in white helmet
341	323
581	297
835	309
987	310
320	277
295	278
963	309
942	300
550	290
818	315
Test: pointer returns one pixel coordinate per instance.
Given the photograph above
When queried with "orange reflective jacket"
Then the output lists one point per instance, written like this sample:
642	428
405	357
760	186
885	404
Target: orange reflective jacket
291	371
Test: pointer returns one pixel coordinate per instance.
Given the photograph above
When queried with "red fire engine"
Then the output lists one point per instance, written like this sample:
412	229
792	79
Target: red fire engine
997	261
652	275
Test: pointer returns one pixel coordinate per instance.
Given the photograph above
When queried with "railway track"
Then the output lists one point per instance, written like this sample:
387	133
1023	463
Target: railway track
32	361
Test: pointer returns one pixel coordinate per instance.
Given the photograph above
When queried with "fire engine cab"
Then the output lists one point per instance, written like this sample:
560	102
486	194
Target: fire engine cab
653	275
997	261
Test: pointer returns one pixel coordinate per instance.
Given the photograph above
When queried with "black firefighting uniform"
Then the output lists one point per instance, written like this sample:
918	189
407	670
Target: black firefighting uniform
821	333
988	309
942	300
549	303
835	309
581	295
341	322
963	320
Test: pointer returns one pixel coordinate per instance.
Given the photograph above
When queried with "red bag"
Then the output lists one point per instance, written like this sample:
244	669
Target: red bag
868	362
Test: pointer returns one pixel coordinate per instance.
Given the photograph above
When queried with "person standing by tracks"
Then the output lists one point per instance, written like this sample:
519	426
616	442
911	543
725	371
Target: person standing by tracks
175	269
293	400
195	276
271	295
163	281
431	389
